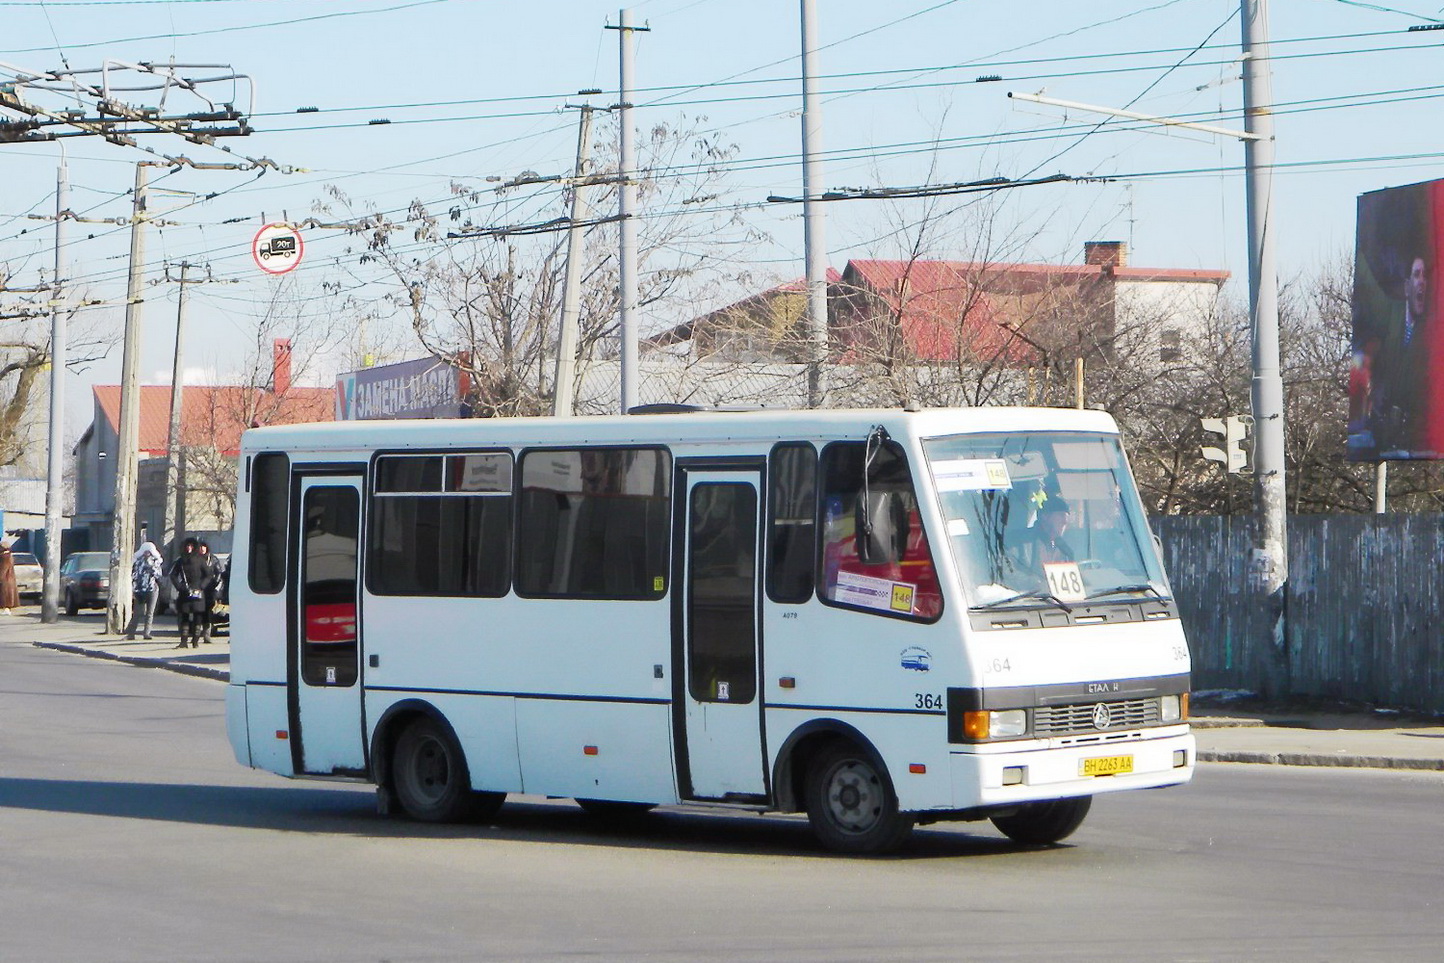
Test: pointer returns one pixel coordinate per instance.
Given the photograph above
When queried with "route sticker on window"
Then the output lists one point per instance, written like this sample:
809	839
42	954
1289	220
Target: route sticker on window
971	474
1065	581
874	593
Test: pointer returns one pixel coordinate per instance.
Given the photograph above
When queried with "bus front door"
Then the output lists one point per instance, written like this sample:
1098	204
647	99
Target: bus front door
721	712
324	672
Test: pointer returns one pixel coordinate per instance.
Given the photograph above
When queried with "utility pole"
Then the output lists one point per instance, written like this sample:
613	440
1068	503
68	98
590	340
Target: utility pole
55	456
564	387
813	218
1270	563
627	210
175	507
127	457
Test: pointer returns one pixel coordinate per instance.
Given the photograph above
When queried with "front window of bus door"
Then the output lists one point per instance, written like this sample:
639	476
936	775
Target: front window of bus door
869	485
331	520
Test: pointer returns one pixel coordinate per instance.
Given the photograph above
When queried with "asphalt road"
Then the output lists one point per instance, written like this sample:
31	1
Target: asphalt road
128	832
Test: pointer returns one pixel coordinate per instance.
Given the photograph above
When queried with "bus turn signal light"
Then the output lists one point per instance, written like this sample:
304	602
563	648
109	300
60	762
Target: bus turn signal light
589	750
976	724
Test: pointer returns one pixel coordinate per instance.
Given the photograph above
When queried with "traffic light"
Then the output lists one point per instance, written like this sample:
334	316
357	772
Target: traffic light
1236	455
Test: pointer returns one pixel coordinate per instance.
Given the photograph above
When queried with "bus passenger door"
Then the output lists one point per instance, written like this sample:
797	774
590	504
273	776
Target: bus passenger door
720	742
324	671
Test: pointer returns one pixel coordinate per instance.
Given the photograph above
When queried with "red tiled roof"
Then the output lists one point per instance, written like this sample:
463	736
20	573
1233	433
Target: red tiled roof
215	415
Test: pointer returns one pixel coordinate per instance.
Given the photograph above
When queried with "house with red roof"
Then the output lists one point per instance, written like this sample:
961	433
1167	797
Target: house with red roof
212	418
967	312
962	312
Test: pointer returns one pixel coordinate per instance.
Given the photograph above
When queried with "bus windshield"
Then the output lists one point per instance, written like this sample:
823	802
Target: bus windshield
1044	517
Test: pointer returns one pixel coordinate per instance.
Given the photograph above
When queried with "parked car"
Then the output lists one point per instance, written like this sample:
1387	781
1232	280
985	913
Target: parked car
29	576
85	581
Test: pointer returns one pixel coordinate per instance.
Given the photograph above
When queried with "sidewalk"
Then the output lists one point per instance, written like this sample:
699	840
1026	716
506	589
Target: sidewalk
1309	737
84	634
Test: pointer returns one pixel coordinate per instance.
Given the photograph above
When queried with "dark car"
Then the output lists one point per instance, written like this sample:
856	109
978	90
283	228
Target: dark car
85	581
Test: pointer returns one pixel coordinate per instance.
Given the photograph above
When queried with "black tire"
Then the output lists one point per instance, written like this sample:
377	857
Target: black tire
1044	823
851	804
614	810
432	782
72	607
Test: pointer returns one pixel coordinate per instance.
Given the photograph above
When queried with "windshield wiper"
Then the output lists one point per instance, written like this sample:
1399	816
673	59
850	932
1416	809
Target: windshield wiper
1118	590
1038	596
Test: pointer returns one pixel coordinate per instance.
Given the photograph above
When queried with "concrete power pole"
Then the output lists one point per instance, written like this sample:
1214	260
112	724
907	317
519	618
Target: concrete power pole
627	210
1270	563
813	218
127	458
175	480
55	457
564	389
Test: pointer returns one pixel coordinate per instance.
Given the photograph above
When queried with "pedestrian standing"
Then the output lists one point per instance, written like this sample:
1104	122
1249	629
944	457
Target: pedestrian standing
9	590
189	575
213	579
146	571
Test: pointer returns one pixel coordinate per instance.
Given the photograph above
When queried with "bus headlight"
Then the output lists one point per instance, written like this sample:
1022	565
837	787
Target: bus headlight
1008	723
1173	708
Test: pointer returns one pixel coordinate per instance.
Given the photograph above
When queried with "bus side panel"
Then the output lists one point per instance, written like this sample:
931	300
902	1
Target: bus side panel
237	730
596	750
839	660
484	725
268	728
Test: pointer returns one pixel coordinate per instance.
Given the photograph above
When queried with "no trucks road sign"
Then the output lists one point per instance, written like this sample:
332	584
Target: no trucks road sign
277	248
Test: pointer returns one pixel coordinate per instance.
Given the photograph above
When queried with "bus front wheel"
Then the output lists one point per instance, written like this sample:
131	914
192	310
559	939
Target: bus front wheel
850	805
431	778
1044	823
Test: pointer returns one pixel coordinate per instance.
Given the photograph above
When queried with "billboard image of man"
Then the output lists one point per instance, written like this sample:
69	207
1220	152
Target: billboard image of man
1394	410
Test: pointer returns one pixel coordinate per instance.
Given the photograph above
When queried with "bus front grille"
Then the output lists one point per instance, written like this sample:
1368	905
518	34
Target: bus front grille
1084	717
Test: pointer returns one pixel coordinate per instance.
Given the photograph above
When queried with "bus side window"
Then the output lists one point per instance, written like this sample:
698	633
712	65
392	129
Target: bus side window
901	580
792	522
270	496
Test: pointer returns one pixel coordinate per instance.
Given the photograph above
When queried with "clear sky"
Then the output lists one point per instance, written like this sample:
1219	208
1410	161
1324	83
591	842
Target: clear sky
472	90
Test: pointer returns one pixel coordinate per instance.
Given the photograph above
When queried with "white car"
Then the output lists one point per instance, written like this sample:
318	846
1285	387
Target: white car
29	576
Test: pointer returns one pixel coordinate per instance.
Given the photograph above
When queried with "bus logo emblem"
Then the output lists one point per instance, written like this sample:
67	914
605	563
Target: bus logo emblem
1102	718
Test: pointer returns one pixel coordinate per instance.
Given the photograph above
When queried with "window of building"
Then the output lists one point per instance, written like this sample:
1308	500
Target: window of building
875	554
270	505
594	523
441	525
792	522
1170	345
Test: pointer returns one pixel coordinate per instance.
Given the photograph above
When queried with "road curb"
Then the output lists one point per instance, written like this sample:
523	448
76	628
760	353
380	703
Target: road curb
1319	759
140	661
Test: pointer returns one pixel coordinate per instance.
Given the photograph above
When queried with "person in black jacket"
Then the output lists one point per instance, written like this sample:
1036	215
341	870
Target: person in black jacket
191	575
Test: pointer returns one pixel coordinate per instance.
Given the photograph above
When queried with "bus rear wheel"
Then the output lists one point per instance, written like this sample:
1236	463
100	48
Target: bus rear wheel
850	805
1044	823
432	782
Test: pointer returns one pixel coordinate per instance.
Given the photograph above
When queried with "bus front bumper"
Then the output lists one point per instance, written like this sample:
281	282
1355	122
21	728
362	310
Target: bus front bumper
1001	774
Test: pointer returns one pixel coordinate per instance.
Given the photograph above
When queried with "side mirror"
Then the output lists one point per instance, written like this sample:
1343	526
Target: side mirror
882	528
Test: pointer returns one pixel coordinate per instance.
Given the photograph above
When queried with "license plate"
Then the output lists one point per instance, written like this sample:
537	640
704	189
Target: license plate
1105	765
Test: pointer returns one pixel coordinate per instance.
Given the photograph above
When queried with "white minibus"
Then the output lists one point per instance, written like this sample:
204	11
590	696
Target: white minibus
876	617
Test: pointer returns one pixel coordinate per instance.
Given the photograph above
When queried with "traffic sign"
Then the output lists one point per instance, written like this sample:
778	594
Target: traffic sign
277	248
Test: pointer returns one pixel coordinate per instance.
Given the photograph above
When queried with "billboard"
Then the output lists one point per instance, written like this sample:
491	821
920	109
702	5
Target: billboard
425	388
1396	410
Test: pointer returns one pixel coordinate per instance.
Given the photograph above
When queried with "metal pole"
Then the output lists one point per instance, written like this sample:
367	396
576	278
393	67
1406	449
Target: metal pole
813	218
1381	486
55	460
175	522
564	389
127	458
627	209
1270	564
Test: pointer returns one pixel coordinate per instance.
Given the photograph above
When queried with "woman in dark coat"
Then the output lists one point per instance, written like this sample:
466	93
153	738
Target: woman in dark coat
191	575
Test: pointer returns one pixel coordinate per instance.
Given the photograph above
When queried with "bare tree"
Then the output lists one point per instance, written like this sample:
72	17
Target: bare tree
483	290
25	355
